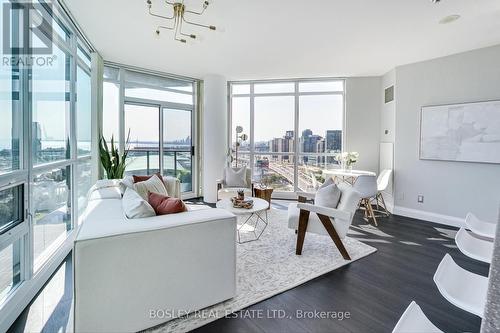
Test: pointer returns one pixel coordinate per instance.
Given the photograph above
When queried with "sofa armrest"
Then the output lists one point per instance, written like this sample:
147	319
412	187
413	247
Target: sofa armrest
330	212
173	186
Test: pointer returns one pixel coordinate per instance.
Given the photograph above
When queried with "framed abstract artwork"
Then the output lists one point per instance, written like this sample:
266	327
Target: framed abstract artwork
466	132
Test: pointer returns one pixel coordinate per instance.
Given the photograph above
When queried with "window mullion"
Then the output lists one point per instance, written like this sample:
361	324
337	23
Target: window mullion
296	146
252	129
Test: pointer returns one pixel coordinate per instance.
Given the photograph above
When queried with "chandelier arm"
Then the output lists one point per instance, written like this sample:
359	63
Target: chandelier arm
178	27
193	36
169	3
198	24
197	13
160	16
164	27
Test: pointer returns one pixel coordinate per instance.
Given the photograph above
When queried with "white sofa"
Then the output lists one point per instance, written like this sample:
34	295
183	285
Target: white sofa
130	275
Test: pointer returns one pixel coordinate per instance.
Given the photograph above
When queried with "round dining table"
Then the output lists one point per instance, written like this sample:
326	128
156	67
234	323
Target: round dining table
346	175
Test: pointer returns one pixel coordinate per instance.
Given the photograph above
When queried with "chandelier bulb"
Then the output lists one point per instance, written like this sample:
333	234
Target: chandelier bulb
183	41
149	3
192	36
212	27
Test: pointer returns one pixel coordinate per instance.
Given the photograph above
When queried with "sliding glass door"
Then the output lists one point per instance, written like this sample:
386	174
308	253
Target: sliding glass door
141	121
160	114
178	146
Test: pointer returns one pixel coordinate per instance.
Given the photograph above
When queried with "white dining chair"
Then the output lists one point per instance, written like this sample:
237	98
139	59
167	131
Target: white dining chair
480	228
382	183
473	247
460	287
366	185
414	320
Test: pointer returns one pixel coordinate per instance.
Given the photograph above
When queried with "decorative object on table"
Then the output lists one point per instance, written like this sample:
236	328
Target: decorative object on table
468	132
241	194
177	18
264	193
242	203
111	160
240	137
347	159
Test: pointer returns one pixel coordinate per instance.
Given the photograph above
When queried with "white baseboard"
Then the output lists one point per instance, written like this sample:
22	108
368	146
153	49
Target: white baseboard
429	216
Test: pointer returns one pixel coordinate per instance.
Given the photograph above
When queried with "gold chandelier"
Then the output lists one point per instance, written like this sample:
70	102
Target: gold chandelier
177	19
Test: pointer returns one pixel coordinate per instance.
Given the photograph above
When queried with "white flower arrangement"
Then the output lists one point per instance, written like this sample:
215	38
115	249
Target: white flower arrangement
347	159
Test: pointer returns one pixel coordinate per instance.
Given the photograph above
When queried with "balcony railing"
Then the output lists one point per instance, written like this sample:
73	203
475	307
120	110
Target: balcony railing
176	163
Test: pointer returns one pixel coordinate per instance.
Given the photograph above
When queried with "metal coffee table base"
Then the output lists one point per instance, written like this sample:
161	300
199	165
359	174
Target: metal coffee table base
258	218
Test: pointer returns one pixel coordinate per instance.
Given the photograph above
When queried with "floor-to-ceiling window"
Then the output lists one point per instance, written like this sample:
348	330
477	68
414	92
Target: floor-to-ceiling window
293	129
45	141
158	115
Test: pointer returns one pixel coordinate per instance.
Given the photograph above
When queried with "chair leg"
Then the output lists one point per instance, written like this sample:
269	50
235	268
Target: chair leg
371	214
386	211
327	223
301	234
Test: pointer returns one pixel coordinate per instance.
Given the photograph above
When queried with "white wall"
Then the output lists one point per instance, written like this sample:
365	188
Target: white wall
451	189
214	133
363	120
388	133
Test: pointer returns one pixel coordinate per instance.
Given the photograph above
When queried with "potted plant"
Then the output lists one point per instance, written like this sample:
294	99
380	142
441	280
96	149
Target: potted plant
112	162
347	159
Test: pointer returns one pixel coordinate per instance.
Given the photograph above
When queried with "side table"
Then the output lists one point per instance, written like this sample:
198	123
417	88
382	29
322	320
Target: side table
264	193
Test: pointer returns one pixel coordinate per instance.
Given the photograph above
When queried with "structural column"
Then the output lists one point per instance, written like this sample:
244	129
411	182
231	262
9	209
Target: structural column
214	133
491	320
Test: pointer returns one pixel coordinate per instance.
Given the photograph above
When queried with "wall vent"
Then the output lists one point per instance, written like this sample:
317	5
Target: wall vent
389	94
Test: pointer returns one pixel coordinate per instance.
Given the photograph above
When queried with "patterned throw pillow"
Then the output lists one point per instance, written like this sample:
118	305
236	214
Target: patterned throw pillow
166	205
153	184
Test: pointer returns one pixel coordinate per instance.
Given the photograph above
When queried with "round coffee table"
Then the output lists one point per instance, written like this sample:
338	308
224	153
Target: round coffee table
251	218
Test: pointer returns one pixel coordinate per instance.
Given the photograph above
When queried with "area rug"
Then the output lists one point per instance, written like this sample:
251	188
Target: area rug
269	266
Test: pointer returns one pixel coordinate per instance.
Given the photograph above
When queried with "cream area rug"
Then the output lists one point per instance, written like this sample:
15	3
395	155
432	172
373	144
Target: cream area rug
269	266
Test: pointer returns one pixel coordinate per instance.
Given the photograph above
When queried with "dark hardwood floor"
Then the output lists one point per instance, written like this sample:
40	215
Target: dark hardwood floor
375	290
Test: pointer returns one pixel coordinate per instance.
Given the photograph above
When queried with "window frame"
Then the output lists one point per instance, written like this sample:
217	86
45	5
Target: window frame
296	94
32	279
121	82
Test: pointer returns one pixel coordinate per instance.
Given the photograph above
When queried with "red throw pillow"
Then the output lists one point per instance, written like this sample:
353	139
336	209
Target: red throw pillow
144	178
163	204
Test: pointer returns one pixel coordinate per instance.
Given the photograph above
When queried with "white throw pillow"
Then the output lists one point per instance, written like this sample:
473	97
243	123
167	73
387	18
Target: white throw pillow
235	177
134	206
328	181
153	184
127	182
327	196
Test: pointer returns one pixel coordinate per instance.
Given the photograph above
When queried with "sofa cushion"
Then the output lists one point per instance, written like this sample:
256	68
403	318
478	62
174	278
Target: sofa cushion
164	205
105	193
153	184
327	196
134	206
235	177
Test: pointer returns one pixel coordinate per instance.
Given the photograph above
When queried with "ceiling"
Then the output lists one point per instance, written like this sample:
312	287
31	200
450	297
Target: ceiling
290	39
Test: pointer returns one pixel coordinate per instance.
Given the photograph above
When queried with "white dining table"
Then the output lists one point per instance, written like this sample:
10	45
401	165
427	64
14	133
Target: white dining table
345	175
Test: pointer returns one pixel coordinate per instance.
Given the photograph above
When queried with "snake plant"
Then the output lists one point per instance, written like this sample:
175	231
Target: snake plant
111	160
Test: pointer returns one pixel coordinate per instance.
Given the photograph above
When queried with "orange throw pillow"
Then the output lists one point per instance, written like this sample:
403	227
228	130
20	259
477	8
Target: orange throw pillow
164	205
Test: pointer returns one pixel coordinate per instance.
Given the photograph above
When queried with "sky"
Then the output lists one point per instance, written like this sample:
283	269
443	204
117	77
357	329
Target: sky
275	115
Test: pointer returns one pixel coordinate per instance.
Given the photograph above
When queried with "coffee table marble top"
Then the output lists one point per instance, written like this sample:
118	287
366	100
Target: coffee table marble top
258	206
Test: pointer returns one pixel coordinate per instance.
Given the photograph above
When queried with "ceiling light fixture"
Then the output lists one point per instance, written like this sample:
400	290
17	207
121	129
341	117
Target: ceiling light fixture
449	19
177	19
